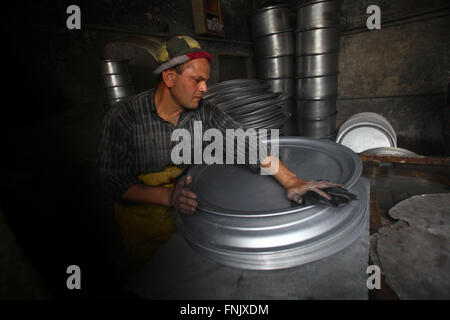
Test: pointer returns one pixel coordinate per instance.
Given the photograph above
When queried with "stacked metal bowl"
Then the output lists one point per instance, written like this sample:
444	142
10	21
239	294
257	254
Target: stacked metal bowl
116	79
317	51
367	130
274	50
251	103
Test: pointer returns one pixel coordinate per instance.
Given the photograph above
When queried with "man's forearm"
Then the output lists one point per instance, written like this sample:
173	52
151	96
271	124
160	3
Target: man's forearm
149	195
279	171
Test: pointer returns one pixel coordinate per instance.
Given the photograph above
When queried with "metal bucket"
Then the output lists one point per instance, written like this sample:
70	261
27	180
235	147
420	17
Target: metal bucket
284	85
315	88
315	109
317	65
317	41
269	20
318	15
275	68
365	131
275	45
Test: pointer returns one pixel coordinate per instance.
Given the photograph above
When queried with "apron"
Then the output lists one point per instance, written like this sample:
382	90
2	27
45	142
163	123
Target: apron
146	227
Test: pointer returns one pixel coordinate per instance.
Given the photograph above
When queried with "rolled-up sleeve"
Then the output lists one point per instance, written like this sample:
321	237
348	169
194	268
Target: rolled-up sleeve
115	156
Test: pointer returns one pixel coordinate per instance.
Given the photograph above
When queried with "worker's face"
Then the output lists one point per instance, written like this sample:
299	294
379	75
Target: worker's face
189	86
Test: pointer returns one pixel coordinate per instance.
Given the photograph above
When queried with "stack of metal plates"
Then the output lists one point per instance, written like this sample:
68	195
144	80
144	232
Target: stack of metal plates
250	102
244	219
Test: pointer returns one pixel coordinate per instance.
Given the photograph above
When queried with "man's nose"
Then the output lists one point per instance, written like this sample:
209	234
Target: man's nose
203	87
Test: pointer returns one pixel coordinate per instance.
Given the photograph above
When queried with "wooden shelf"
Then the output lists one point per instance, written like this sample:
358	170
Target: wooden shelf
208	18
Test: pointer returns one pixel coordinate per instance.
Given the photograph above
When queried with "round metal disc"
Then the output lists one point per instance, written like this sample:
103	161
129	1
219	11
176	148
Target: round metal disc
238	101
234	189
233	83
257	87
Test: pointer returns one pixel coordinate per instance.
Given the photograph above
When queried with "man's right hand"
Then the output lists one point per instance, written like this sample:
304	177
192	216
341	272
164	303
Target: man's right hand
182	198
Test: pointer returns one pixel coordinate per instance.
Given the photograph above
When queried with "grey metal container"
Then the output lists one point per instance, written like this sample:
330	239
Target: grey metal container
317	65
366	130
317	41
318	14
315	88
119	92
256	227
269	20
317	128
112	66
117	80
391	151
284	85
275	45
275	68
315	109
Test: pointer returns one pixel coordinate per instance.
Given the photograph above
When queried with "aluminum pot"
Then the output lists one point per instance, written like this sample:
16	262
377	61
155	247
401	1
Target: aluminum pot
112	66
317	65
119	92
256	227
284	85
315	109
366	130
317	41
317	128
316	88
269	20
275	45
116	80
275	68
318	15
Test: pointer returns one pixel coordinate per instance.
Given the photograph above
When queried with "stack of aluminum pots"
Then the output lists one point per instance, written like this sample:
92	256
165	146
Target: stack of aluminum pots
116	79
274	50
317	51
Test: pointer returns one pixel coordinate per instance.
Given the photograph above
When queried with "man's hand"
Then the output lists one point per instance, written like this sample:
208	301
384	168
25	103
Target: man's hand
182	198
297	188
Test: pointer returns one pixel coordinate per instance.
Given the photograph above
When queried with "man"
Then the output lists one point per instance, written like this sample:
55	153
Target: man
135	148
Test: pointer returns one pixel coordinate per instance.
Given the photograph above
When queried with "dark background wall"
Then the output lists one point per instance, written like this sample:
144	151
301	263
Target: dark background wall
54	102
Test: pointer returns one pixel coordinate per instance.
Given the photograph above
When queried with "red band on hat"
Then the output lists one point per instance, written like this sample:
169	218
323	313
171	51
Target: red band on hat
199	55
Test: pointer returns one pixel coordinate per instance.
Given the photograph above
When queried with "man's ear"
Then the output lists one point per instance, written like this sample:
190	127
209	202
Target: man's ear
169	76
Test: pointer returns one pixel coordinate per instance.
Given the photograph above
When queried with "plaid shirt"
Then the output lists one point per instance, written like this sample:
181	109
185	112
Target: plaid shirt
134	140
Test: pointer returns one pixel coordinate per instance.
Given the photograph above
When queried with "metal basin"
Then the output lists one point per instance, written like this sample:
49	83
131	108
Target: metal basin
315	109
317	41
317	65
315	88
275	68
244	219
365	131
318	15
269	20
391	151
275	45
